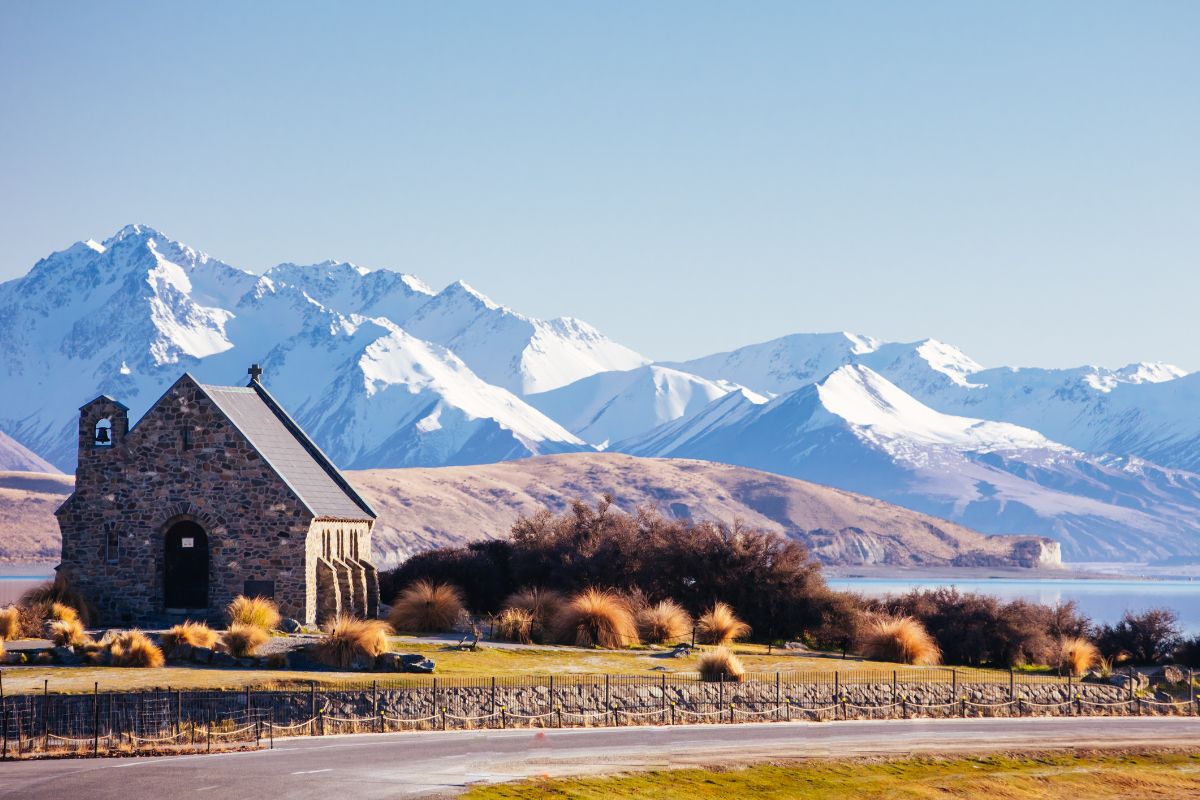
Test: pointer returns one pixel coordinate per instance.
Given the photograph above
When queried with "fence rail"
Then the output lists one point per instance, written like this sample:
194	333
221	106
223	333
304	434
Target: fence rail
169	720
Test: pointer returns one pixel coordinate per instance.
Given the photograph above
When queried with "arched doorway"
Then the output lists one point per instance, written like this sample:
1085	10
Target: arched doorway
185	567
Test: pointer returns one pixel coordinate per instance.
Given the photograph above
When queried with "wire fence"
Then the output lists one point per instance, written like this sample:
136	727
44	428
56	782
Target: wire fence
185	720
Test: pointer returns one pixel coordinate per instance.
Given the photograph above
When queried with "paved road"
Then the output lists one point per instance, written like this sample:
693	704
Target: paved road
414	764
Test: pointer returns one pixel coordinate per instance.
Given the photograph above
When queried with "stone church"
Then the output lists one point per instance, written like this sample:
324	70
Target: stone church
215	492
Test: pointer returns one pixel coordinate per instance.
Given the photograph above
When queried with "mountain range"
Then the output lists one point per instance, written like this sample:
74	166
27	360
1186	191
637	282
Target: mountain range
386	372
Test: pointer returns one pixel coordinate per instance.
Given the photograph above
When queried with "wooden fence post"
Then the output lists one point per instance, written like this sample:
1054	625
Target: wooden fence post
96	719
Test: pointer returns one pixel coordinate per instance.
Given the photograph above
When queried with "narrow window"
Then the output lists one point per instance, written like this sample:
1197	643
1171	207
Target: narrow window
185	438
112	545
341	552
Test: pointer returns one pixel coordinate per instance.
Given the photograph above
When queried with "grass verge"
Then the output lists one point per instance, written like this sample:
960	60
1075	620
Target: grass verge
1046	776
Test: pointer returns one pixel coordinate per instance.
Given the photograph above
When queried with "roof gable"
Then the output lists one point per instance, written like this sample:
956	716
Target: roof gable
306	470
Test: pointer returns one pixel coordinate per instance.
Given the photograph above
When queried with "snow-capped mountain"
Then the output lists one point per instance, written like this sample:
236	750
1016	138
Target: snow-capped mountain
522	354
610	406
858	431
385	372
126	316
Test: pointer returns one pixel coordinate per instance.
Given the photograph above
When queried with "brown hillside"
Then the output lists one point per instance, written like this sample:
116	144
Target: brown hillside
428	507
421	508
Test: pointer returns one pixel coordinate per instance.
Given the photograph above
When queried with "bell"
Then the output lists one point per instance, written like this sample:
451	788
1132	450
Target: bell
102	435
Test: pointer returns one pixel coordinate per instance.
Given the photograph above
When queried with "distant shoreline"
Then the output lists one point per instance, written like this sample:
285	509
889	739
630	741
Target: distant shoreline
1137	572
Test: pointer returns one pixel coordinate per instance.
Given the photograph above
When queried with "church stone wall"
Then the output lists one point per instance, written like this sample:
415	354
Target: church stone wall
149	478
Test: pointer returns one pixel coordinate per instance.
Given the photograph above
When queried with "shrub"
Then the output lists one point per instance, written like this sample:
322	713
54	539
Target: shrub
259	612
426	607
720	664
542	604
1188	652
10	623
67	632
61	611
899	639
196	634
1148	638
278	661
60	591
242	640
133	649
719	625
515	625
348	639
596	618
1077	655
665	621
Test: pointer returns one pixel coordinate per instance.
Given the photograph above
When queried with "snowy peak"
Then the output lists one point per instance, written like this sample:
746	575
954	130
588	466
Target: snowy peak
883	411
14	457
351	289
611	406
1142	372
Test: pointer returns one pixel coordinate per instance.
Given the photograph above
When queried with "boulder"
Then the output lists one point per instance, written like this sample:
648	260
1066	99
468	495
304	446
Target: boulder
682	651
414	662
290	625
362	662
793	646
248	662
66	656
202	655
1140	681
1169	674
181	652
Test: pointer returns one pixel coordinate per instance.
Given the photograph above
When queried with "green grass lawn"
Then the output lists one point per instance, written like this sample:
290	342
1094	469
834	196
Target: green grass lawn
452	662
1056	776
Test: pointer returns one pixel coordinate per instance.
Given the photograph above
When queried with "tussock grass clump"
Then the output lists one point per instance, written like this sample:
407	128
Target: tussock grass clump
62	592
719	625
10	623
67	632
665	621
257	611
515	625
542	604
349	638
196	634
1077	655
720	663
243	640
426	607
63	612
133	648
900	639
596	618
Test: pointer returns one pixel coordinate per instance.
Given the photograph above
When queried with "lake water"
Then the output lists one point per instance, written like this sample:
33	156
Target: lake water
14	585
1102	600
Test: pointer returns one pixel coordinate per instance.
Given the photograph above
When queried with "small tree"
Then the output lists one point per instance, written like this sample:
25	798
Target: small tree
1151	637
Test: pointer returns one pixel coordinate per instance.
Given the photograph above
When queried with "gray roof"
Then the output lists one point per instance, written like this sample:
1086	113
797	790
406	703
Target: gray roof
288	450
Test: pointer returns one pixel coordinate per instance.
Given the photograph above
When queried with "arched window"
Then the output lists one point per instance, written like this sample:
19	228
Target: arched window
103	434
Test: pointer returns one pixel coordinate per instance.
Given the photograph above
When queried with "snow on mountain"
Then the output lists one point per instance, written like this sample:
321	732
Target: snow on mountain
124	317
857	431
354	290
610	406
15	457
522	354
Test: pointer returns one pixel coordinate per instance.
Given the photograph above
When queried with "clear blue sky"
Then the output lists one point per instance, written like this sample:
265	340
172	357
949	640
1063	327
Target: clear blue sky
1020	179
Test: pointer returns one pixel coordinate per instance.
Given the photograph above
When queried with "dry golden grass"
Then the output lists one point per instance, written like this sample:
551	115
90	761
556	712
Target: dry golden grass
243	640
10	623
133	648
59	591
426	607
257	611
67	632
196	634
62	611
665	621
514	625
349	638
719	663
1077	655
542	604
596	618
900	639
719	625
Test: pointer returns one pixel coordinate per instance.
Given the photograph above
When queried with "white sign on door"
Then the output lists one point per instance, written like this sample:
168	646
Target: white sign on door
188	542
